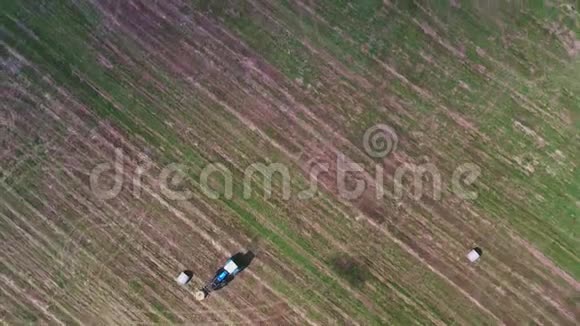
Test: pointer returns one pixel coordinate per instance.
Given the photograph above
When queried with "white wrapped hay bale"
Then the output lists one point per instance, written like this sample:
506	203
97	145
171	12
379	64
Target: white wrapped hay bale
184	277
474	254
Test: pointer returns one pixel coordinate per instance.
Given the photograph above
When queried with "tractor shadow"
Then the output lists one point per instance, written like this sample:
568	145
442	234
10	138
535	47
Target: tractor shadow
243	260
189	273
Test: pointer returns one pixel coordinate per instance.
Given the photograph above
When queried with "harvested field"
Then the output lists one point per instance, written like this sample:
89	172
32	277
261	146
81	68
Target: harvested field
146	95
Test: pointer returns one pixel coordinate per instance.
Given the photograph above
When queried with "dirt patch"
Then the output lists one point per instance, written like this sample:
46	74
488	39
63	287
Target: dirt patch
351	270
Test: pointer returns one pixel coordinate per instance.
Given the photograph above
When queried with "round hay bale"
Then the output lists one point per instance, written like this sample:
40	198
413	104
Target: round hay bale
199	295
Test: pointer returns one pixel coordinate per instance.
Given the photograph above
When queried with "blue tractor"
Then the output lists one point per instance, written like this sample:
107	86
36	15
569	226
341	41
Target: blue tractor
226	274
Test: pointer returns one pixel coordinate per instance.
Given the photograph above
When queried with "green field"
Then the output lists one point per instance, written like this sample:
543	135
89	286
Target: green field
494	84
